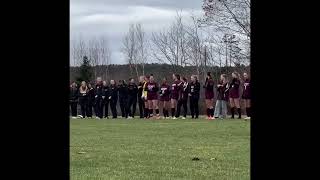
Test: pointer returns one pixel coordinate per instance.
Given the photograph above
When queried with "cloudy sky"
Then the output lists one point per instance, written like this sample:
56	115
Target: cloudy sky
111	18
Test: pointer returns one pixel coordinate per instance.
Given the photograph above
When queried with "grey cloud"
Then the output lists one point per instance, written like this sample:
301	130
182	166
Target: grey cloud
111	18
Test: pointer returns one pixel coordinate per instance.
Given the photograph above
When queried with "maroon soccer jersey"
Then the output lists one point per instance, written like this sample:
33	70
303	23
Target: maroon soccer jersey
152	88
164	92
234	88
209	94
246	90
175	89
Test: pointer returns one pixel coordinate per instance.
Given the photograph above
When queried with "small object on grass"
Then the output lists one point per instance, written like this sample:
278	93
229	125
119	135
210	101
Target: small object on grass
81	152
213	159
195	159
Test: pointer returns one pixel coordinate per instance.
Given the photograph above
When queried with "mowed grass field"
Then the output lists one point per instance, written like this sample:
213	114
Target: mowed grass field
159	149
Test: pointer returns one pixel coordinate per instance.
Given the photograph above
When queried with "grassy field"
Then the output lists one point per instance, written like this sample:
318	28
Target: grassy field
159	149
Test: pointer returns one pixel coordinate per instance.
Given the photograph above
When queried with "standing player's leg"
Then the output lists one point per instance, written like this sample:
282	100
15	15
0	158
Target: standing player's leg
178	108
224	108
248	108
237	105
156	107
232	106
208	108
161	105
74	109
218	109
141	107
134	106
146	109
113	105
128	106
150	106
83	108
192	107
196	107
211	108
101	105
173	107
106	109
185	107
167	106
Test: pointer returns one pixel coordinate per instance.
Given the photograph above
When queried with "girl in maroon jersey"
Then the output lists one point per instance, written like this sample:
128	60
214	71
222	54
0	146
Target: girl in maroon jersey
164	97
209	95
152	96
175	88
234	94
246	95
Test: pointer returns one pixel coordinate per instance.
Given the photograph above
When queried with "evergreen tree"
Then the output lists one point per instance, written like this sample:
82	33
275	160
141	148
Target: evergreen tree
85	71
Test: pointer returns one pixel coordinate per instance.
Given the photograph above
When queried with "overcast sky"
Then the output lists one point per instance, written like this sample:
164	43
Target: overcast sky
111	18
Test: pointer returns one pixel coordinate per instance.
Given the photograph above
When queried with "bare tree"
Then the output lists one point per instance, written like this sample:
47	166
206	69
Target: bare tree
142	45
129	48
105	55
171	45
229	17
79	50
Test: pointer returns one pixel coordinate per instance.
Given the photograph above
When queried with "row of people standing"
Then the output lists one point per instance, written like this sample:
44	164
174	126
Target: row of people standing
150	96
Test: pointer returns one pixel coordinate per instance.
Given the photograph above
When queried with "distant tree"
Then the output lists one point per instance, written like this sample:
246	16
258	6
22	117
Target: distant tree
85	71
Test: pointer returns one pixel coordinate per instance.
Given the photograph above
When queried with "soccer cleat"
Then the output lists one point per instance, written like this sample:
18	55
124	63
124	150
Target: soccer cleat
129	117
247	118
80	116
174	118
73	117
183	118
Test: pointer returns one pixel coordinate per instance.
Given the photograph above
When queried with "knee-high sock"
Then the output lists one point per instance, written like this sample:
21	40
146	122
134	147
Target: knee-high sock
173	110
212	112
248	110
239	112
232	112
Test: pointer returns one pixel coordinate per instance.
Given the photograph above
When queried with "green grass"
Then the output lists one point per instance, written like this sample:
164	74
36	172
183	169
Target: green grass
159	149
